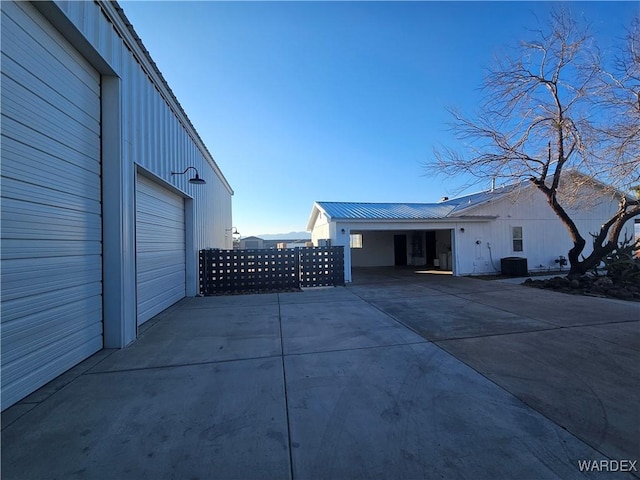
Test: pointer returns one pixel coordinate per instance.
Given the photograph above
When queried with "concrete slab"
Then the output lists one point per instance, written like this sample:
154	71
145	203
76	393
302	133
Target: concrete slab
367	397
521	280
447	316
416	412
367	275
392	291
460	285
205	421
318	327
217	301
589	386
69	376
625	334
315	295
557	308
16	411
191	336
445	283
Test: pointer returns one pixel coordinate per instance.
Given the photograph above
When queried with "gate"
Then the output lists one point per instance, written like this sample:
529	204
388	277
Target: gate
251	271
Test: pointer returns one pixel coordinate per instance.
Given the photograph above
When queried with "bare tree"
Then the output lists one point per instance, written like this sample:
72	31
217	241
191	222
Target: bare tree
552	109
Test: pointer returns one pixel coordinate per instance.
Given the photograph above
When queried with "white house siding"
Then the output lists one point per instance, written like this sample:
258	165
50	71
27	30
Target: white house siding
143	129
321	229
51	214
376	251
545	238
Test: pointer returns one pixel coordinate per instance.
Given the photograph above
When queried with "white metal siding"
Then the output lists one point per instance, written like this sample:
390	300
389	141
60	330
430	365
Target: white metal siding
51	212
160	248
156	133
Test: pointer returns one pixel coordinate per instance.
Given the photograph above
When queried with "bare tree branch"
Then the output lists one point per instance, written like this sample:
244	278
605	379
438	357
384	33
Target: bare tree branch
552	108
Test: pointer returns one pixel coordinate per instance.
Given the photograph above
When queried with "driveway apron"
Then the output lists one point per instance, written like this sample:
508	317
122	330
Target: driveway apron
399	375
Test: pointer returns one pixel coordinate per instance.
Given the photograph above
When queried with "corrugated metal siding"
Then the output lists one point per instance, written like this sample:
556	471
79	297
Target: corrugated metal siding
51	226
160	248
156	134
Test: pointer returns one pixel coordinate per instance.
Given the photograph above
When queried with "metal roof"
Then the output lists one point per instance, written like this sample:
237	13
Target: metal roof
410	211
385	211
474	199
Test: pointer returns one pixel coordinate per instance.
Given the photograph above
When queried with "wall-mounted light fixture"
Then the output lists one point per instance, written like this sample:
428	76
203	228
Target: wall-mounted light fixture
195	180
462	229
343	231
233	230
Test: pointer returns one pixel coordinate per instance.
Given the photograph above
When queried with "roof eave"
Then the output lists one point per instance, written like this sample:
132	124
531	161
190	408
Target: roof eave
464	218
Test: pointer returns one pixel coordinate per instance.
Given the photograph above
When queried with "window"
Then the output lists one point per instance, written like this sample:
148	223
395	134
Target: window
355	240
516	234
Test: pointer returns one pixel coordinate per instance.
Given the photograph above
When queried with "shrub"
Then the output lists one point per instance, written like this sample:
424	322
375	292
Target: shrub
623	265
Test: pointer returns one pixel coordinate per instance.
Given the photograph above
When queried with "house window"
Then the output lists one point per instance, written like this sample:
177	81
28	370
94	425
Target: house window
516	235
355	240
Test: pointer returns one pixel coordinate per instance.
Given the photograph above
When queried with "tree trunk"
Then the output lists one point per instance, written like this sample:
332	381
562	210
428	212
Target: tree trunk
576	268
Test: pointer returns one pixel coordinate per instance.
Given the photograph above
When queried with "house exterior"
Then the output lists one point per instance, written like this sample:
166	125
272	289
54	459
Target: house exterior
468	235
98	236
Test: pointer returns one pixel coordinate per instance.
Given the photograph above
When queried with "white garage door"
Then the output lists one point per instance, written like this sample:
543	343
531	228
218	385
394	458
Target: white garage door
51	258
160	248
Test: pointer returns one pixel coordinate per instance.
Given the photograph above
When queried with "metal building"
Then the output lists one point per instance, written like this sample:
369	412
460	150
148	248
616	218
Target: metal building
97	235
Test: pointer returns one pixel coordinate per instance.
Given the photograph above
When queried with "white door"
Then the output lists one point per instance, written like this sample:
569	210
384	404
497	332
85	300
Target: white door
160	248
51	237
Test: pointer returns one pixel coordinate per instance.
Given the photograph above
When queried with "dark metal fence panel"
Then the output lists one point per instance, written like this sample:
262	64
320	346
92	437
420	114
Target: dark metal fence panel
321	266
237	271
241	271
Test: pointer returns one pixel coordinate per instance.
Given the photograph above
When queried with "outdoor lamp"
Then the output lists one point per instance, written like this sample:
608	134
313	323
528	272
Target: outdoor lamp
195	180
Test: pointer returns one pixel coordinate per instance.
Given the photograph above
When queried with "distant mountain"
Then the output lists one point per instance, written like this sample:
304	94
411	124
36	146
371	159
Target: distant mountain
286	236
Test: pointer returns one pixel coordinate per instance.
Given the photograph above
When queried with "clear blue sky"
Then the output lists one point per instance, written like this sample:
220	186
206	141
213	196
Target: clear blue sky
335	101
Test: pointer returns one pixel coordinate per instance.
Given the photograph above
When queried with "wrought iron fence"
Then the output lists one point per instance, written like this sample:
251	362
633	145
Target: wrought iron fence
243	271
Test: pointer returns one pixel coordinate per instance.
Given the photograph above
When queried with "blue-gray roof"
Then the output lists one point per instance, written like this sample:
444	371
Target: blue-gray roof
474	199
409	211
385	211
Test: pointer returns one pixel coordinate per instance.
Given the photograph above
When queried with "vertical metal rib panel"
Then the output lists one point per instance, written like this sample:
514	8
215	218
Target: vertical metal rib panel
160	248
51	227
156	135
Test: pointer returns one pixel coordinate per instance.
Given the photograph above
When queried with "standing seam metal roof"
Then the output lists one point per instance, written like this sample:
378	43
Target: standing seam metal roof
386	211
411	211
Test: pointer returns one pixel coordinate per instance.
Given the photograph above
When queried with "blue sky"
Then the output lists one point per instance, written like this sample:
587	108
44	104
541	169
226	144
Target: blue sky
335	101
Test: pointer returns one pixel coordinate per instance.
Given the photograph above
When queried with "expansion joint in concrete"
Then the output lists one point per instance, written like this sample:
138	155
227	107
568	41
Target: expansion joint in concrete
286	395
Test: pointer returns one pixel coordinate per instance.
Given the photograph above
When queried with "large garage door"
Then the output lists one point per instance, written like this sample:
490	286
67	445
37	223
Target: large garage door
160	248
51	226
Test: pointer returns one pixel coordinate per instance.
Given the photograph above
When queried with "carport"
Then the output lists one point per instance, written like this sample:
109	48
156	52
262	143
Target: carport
381	248
394	234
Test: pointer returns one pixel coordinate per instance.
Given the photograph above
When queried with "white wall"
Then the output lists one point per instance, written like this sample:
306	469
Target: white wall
378	247
544	236
376	251
321	230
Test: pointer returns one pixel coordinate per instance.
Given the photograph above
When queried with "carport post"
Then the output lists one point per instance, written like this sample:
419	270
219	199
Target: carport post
340	236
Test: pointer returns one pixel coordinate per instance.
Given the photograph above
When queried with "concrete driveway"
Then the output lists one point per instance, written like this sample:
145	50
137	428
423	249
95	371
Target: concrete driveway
398	375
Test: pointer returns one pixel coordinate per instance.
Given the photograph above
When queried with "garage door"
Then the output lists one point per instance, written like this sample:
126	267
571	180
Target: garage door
51	236
160	248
